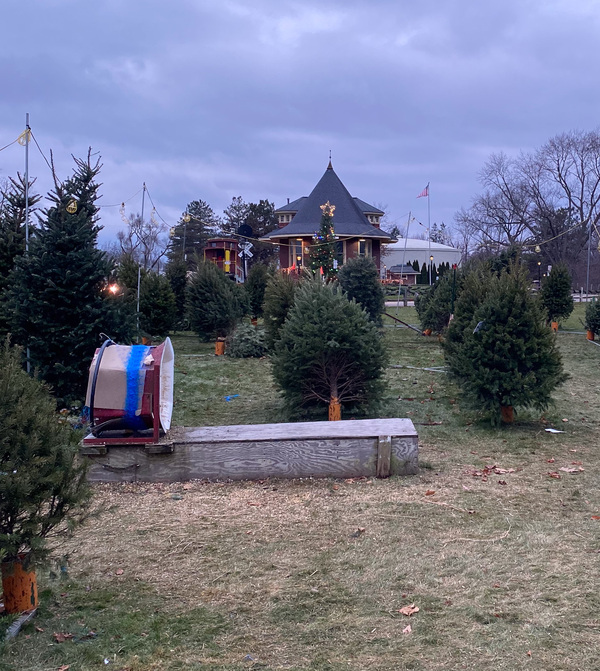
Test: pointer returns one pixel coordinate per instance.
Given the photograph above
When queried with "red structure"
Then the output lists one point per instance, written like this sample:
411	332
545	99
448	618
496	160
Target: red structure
224	252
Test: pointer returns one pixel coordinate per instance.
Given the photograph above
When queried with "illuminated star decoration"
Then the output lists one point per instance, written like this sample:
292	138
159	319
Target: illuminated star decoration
328	209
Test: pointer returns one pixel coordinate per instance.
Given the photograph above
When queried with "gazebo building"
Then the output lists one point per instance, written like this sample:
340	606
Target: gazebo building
355	224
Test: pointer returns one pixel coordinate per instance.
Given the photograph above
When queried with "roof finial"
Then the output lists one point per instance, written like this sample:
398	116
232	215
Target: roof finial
330	167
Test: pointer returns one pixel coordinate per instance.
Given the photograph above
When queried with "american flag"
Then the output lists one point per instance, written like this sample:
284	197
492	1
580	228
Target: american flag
424	193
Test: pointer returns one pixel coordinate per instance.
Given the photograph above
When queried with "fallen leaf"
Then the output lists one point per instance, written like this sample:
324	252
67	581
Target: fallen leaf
64	667
407	629
596	517
335	487
502	482
551	461
529	653
38	628
430	492
119	571
554	474
577	463
565	419
564	469
409	610
61	638
253	503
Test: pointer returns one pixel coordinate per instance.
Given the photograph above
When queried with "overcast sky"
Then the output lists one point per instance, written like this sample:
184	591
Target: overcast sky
210	99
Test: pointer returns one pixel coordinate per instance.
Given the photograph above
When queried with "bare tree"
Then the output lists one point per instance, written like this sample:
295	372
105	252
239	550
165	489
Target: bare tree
548	198
144	242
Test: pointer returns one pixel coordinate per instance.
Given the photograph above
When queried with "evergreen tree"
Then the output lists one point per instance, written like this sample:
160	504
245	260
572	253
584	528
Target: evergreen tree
592	317
43	484
262	219
556	294
195	226
214	302
322	251
158	310
424	277
255	286
176	272
416	266
434	304
279	298
58	300
234	216
12	232
508	355
359	278
328	349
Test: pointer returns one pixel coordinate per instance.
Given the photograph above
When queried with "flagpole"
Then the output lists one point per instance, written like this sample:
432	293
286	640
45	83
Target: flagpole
429	231
27	352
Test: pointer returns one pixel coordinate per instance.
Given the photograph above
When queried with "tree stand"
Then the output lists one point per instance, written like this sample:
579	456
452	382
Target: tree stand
590	335
220	347
554	326
19	586
507	413
335	410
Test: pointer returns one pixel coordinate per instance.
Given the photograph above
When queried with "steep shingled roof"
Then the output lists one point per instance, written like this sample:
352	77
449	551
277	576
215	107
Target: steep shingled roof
348	218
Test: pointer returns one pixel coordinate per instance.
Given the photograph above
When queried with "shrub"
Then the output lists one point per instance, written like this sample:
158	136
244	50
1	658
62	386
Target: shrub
592	316
328	348
158	310
434	304
508	355
360	280
556	293
246	341
214	302
43	487
255	286
279	298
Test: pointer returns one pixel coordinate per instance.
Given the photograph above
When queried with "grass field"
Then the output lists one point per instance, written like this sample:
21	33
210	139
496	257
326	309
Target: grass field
496	542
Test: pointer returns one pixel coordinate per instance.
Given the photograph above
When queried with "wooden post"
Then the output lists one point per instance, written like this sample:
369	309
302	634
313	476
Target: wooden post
508	414
220	347
384	456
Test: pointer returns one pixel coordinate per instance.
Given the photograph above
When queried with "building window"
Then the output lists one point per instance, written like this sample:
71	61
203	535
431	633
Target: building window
296	253
340	252
364	247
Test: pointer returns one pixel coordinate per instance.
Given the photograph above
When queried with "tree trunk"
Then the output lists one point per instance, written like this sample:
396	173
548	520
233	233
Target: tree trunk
507	413
335	409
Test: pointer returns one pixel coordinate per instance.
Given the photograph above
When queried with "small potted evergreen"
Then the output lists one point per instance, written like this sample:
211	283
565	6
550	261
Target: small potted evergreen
592	319
43	487
556	295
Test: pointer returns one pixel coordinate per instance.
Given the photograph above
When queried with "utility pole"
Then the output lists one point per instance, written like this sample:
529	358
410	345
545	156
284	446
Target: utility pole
27	208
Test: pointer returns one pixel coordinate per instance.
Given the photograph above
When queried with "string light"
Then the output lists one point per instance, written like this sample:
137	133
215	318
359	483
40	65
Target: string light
24	138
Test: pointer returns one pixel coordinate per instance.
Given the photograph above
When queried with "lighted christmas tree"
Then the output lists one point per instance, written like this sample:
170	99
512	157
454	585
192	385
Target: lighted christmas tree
322	252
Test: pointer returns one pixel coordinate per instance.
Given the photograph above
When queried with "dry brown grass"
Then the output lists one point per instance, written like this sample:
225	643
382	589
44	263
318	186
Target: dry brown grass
496	570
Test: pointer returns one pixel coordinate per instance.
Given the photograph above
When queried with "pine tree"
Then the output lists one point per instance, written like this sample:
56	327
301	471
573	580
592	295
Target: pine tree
177	274
322	251
424	277
158	310
328	349
508	356
214	302
12	233
43	484
556	294
234	216
255	286
359	278
279	298
262	219
195	226
58	299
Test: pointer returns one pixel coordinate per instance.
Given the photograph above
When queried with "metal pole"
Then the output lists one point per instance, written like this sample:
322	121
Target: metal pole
27	208
138	302
429	230
403	261
587	284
